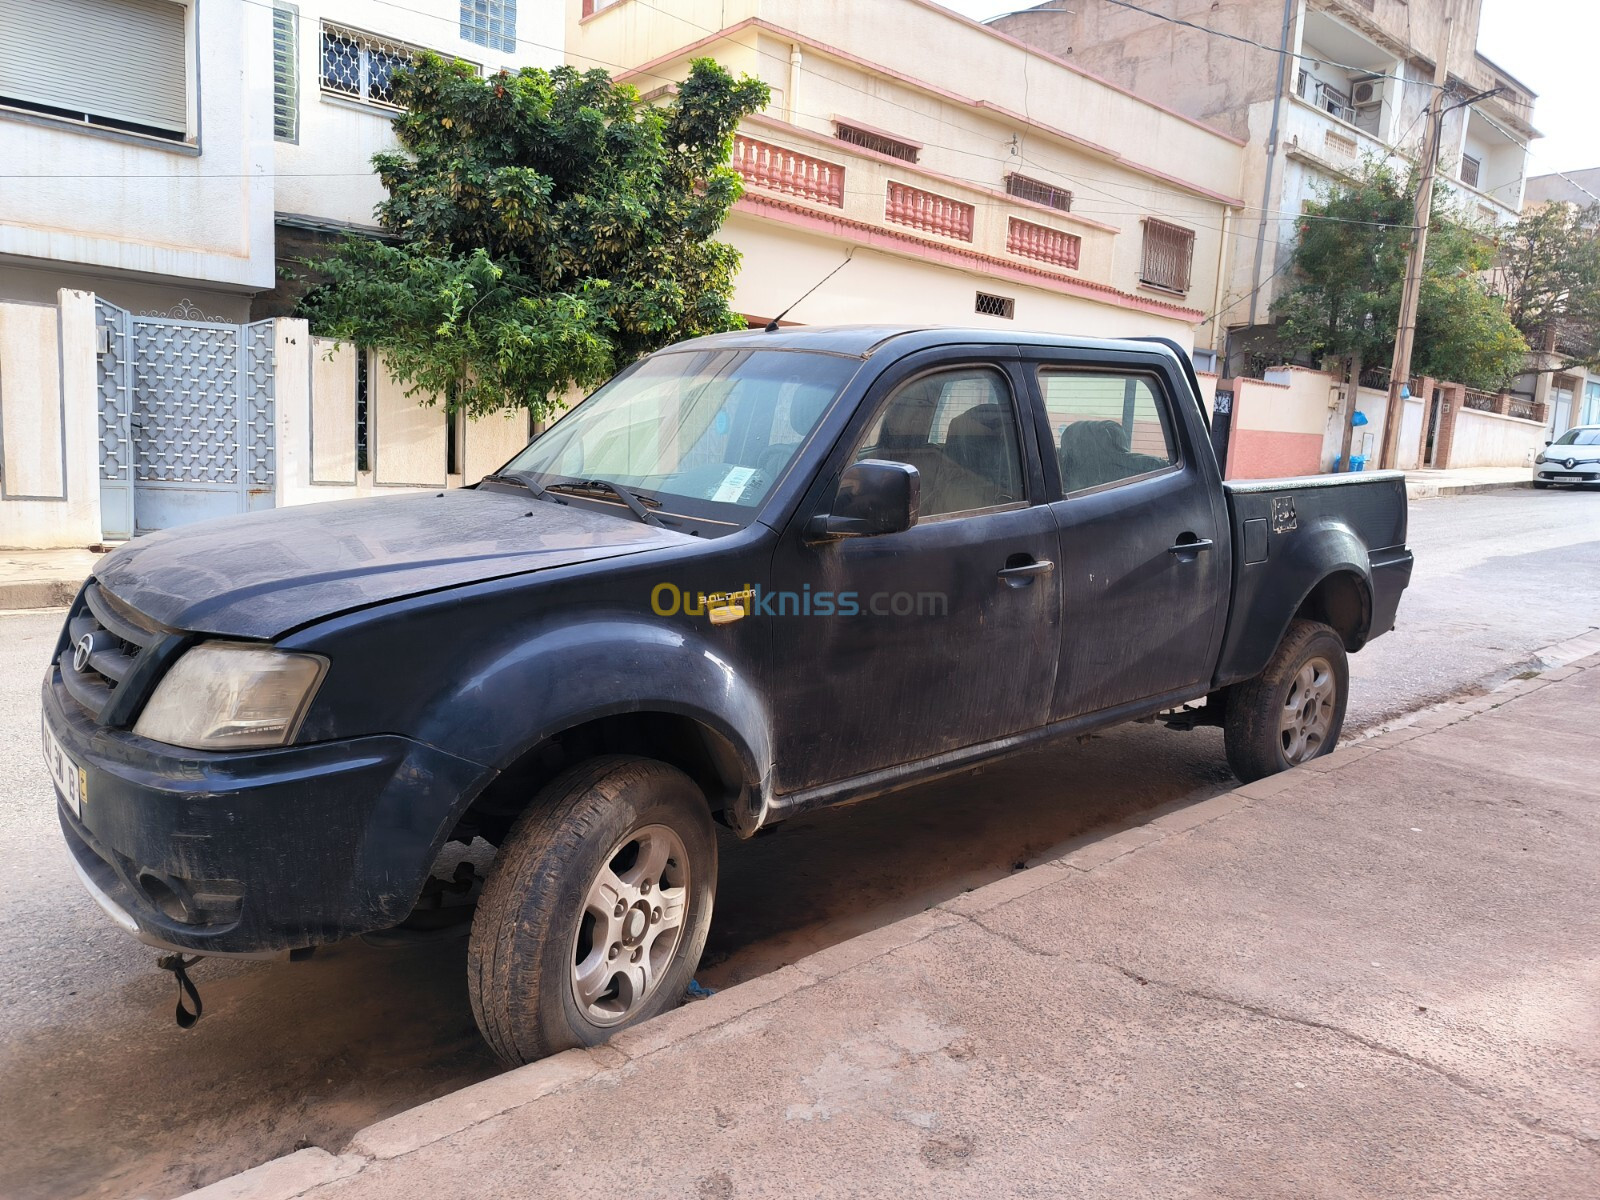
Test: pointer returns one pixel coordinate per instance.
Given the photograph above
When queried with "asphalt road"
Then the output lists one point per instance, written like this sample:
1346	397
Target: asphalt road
103	1096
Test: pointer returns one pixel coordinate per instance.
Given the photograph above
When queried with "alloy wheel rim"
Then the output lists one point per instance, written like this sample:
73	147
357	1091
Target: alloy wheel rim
1307	716
632	921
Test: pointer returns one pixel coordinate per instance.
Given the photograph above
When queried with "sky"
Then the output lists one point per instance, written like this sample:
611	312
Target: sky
1547	44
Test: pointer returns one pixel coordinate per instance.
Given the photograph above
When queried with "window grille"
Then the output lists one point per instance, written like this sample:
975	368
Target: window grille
870	139
996	306
491	23
1471	170
1047	194
1168	256
361	66
285	73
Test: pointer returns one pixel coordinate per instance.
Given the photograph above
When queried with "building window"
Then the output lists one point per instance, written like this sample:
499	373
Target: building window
115	64
872	139
285	73
1168	256
491	23
361	66
1047	194
1471	168
990	305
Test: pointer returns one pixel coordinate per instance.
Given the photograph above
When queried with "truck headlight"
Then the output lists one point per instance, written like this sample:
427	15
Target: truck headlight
231	695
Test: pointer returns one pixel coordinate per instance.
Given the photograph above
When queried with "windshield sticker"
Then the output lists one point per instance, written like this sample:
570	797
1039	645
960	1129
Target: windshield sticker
733	485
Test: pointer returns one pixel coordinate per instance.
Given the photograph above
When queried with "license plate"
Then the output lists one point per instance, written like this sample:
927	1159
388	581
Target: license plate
71	781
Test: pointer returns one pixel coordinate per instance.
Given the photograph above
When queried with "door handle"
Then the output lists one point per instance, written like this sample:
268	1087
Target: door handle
1024	572
1190	548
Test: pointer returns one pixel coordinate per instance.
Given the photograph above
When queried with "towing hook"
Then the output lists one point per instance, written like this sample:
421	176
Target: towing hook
179	966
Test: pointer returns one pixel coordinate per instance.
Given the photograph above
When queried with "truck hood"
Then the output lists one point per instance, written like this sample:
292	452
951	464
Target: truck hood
262	574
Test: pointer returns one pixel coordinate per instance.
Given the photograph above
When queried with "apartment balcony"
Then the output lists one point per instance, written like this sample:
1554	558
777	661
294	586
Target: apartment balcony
832	178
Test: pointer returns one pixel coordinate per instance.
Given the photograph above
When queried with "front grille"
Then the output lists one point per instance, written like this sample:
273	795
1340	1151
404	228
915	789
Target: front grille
104	641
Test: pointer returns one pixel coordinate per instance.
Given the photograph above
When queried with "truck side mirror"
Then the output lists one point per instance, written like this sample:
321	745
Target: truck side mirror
874	497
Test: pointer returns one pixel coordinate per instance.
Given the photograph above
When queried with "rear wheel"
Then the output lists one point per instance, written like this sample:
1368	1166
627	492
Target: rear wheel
596	910
1294	710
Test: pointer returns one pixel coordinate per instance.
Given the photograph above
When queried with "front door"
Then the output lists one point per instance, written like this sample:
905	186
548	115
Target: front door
939	637
1144	559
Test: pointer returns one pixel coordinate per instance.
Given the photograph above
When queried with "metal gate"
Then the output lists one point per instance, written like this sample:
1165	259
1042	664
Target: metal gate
186	419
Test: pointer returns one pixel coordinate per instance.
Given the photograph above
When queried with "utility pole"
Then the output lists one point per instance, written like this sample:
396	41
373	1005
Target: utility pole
1400	374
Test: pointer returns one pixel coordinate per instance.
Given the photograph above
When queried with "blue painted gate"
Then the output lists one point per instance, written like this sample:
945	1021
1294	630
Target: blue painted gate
186	419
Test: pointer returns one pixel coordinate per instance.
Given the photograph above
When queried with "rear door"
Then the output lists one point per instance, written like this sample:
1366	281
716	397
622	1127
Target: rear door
900	647
1143	532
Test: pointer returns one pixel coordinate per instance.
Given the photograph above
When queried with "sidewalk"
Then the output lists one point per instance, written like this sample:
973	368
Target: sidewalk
1373	976
1462	481
42	578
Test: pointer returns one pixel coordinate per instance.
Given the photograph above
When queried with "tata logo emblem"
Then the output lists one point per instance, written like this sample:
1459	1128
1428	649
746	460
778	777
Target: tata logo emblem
81	652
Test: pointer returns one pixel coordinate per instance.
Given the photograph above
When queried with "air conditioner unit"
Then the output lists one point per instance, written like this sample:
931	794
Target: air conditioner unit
1367	92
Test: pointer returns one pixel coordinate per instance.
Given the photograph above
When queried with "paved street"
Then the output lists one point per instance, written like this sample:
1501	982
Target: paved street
107	1098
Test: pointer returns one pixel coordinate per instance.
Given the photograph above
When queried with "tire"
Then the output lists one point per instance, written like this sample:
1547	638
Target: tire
1541	484
550	923
1265	732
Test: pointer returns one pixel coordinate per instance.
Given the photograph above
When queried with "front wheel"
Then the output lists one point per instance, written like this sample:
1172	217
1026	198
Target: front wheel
595	913
1541	484
1293	711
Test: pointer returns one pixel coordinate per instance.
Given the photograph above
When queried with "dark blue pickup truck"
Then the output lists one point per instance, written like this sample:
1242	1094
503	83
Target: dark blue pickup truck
752	575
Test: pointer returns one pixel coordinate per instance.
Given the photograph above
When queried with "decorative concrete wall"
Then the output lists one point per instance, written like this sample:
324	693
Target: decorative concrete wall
49	441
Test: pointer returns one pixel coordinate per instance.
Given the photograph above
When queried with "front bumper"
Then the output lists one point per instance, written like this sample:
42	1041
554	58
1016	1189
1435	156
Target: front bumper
254	852
1559	472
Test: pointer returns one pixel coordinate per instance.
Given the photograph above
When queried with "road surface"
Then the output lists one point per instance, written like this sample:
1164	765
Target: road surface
105	1097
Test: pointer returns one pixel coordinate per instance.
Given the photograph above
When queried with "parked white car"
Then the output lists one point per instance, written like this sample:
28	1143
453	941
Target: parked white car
1573	458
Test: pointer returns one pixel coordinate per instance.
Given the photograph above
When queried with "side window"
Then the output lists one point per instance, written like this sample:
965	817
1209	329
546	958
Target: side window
1107	426
959	430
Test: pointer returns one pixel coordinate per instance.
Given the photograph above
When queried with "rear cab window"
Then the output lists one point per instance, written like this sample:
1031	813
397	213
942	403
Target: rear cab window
1107	426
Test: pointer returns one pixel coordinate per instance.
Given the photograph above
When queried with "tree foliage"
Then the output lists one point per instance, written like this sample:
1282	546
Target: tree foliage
1349	268
546	228
1549	273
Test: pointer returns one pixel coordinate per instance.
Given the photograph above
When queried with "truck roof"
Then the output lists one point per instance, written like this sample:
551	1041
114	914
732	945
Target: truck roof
862	341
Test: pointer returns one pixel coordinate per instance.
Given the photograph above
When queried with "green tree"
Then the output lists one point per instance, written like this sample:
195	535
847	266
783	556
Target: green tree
1549	273
1349	270
546	228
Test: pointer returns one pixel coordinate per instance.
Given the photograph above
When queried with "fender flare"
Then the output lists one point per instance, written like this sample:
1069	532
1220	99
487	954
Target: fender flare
534	689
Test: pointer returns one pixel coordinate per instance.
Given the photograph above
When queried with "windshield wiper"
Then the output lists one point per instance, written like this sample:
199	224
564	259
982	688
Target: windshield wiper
636	503
524	479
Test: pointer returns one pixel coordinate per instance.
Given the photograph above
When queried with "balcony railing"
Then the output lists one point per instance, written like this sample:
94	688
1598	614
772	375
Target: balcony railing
929	212
1045	244
776	169
1482	401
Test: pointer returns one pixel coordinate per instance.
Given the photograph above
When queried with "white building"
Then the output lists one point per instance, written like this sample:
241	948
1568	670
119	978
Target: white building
207	132
163	161
1314	88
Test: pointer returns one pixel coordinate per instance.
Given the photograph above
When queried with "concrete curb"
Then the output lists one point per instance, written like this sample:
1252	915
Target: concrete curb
1430	491
297	1174
38	593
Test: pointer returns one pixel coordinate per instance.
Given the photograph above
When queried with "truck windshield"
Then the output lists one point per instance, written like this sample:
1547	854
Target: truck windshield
707	433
